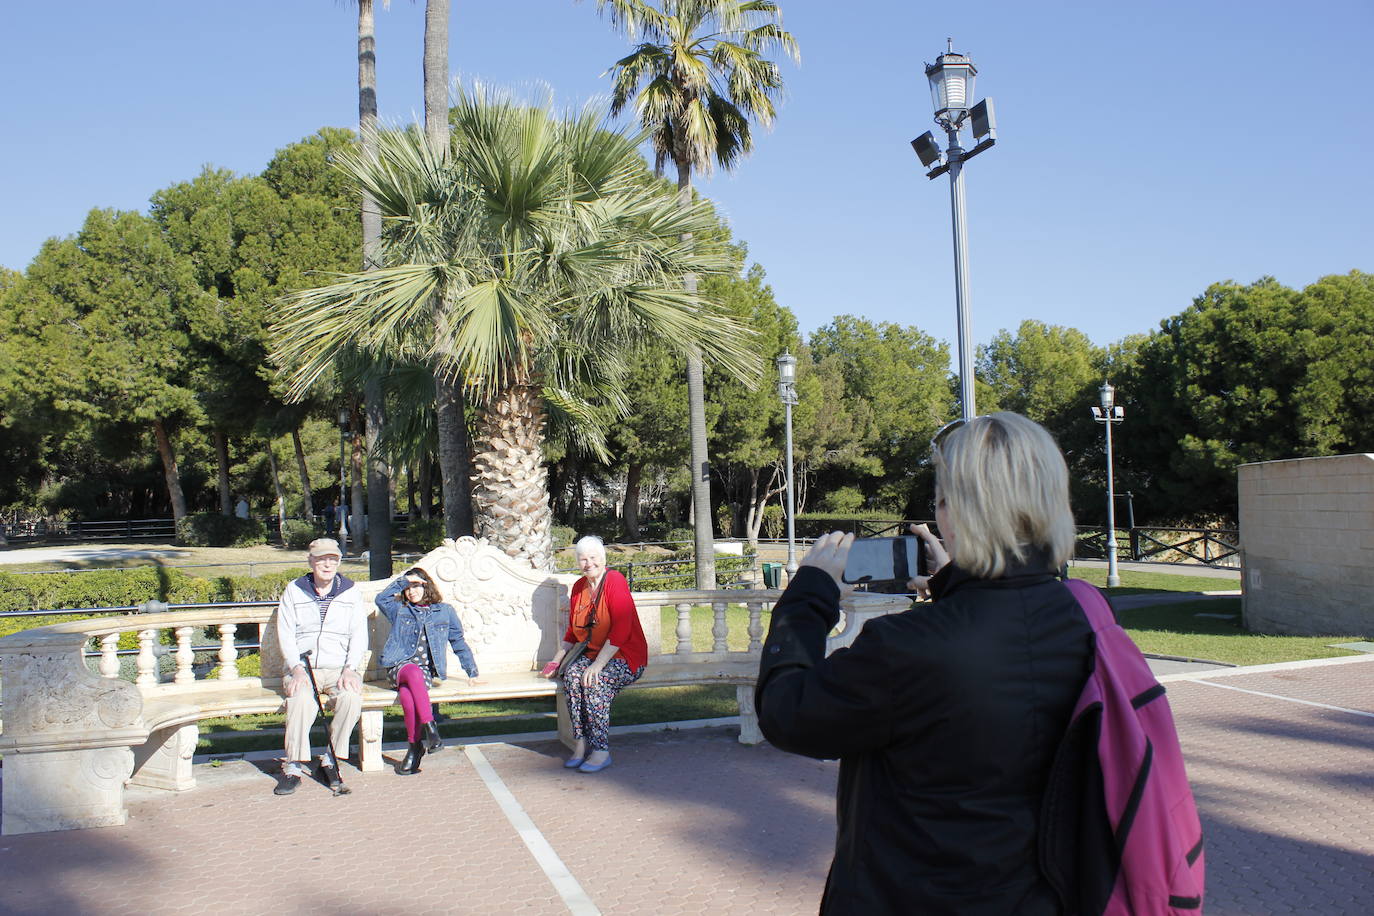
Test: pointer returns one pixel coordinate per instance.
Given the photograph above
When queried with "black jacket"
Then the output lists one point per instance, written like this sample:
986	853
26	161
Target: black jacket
945	719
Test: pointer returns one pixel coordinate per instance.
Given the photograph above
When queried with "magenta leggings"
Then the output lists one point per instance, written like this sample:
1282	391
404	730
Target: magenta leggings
413	690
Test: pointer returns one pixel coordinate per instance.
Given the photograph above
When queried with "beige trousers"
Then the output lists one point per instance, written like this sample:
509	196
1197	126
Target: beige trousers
301	712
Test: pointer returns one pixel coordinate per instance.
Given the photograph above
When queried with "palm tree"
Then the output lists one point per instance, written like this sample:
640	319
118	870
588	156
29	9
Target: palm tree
526	262
697	79
378	469
455	469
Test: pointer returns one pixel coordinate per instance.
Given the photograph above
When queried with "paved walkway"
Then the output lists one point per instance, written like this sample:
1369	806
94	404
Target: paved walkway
687	822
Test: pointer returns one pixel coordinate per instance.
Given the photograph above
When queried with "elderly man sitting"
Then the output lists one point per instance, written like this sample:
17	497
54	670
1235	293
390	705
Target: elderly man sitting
321	613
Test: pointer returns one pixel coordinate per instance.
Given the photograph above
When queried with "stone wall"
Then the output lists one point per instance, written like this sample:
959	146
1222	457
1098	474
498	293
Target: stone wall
1307	534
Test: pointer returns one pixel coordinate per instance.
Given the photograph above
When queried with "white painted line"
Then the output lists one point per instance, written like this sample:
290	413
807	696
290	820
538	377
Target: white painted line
1275	696
574	897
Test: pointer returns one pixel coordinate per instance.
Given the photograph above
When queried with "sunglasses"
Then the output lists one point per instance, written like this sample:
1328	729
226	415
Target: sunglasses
949	429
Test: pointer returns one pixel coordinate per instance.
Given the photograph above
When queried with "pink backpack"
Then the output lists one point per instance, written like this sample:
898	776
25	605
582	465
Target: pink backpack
1119	831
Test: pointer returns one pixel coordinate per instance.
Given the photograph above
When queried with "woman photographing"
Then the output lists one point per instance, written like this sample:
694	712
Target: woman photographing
602	613
421	625
945	718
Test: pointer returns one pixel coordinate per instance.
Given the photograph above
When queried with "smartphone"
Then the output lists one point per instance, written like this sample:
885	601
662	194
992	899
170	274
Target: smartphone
886	560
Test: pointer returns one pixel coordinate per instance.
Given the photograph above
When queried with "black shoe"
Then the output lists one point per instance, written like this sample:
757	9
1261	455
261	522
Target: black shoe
328	775
434	742
410	765
287	785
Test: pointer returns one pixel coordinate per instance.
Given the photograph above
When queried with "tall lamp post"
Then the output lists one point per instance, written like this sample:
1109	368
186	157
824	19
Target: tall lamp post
343	482
1108	414
787	392
951	87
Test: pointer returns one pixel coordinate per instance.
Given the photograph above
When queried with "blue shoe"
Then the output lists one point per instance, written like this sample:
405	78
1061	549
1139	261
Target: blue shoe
572	763
594	767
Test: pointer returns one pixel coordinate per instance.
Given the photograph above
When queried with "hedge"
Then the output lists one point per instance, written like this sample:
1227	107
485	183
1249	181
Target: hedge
209	529
131	587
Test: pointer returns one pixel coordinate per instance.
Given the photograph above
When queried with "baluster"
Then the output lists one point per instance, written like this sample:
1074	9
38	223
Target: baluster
228	653
147	661
684	628
185	657
719	627
109	655
755	626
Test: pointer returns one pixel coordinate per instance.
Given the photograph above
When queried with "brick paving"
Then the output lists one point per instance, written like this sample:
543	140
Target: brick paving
684	822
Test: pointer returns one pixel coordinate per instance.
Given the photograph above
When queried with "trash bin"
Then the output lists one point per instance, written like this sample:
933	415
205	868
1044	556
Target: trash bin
772	575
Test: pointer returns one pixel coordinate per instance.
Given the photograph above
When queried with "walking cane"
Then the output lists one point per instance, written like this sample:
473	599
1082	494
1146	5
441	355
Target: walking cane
335	779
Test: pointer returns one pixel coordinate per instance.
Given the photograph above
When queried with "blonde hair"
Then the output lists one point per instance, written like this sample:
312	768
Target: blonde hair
1006	492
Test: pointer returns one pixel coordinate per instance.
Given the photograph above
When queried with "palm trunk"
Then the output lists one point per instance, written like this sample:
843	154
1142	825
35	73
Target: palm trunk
630	509
510	483
378	485
281	493
426	486
359	522
436	73
696	412
226	499
454	475
378	468
169	470
307	500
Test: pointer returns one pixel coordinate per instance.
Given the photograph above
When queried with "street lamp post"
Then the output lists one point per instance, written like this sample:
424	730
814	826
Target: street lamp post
951	88
787	391
1108	414
343	482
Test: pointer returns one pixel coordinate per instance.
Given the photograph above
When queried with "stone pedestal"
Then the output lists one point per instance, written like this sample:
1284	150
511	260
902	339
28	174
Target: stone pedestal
164	761
65	790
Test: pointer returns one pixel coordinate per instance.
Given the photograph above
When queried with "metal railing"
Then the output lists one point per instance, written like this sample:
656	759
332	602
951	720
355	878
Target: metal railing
1198	546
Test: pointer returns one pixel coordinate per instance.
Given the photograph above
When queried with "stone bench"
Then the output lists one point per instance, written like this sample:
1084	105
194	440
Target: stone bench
73	738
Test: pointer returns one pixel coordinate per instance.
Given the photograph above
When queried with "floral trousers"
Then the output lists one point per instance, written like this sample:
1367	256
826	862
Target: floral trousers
590	707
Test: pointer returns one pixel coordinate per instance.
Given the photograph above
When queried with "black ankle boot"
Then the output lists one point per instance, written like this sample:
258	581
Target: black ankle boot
434	742
411	763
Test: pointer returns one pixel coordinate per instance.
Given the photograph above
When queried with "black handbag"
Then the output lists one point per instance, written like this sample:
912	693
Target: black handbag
579	648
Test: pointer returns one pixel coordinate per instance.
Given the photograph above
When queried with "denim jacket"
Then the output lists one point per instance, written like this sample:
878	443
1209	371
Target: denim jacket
441	626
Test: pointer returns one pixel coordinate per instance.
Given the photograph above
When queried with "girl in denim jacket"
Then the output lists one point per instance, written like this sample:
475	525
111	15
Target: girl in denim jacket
421	623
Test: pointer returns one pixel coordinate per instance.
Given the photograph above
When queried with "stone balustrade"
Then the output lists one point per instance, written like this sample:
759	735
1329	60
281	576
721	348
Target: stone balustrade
75	732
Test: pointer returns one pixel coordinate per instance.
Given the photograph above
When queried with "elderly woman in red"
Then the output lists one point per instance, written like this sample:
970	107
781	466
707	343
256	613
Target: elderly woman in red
603	613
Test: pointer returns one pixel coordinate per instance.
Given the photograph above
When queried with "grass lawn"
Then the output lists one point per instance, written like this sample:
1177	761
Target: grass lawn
535	714
1176	629
1134	582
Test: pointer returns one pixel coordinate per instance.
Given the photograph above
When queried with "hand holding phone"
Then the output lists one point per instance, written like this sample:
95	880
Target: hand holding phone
896	559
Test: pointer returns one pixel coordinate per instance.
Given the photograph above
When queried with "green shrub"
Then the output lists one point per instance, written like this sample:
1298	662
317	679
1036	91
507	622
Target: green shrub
725	521
209	529
774	519
250	665
563	536
426	533
267	587
680	536
844	500
297	534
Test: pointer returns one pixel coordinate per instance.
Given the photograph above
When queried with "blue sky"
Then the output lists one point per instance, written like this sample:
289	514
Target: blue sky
1145	150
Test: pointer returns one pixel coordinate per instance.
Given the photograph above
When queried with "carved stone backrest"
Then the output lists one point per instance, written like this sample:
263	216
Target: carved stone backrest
511	614
51	695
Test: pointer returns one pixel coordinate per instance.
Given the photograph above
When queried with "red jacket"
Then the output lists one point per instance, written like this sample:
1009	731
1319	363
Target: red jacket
625	632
